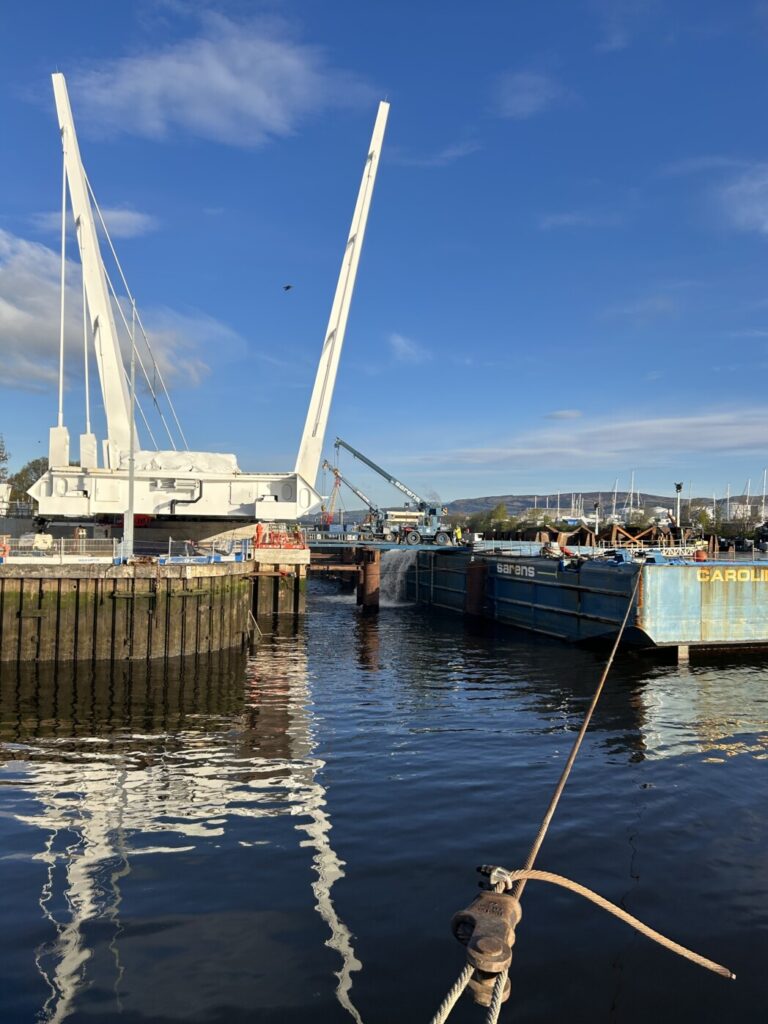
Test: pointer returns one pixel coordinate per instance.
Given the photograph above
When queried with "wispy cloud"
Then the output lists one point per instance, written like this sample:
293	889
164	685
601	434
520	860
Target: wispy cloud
620	442
523	94
440	158
240	83
29	323
179	339
702	165
564	414
749	332
578	219
619	21
744	200
121	221
646	308
407	351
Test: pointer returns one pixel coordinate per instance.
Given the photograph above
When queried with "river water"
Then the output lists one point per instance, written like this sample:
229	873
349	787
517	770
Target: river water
286	838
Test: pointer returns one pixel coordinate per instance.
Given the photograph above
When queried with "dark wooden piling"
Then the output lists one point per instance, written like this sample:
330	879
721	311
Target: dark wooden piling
122	612
143	611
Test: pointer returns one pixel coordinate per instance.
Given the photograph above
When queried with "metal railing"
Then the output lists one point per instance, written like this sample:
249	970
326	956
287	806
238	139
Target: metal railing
17	509
45	547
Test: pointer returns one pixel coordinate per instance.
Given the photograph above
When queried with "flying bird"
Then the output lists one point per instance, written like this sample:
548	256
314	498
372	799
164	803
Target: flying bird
287	287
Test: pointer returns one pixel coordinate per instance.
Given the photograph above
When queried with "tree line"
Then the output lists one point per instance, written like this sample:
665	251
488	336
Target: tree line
23	479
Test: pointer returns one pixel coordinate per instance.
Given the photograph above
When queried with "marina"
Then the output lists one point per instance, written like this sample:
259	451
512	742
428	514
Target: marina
126	790
437	726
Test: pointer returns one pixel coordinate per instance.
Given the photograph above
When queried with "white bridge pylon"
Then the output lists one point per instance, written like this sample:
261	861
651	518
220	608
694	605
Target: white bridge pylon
178	482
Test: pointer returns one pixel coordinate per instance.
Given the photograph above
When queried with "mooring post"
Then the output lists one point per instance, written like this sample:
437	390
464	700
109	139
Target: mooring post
370	579
474	598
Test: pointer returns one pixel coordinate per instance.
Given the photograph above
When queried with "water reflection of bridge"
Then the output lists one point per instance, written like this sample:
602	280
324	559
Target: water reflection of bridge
126	763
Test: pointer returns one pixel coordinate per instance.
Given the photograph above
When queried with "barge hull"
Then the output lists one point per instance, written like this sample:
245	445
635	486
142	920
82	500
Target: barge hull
677	604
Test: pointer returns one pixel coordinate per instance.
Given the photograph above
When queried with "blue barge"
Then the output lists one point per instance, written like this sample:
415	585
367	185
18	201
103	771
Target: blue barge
679	603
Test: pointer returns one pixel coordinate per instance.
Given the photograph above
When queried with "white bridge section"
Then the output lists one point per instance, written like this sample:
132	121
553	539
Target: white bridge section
185	488
180	483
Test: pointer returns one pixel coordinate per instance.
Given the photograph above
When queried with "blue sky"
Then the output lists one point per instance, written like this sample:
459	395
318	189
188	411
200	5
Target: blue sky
565	275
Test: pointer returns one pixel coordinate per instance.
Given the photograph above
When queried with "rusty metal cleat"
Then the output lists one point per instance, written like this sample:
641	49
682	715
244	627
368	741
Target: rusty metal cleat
487	929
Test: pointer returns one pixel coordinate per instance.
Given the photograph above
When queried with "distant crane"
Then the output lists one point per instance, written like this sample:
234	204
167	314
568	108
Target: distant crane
429	523
327	511
377	518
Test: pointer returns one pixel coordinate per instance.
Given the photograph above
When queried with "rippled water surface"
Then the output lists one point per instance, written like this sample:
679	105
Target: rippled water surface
287	838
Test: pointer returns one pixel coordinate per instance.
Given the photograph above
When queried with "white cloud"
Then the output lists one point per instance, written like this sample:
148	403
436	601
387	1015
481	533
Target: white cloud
121	221
237	83
564	414
29	323
29	312
522	94
744	200
617	442
440	158
619	21
644	309
407	351
577	219
701	165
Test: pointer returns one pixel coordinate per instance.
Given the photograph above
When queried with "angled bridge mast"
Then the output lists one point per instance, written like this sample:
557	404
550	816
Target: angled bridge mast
308	460
101	319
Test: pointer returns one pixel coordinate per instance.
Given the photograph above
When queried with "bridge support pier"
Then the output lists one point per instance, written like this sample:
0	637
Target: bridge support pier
369	581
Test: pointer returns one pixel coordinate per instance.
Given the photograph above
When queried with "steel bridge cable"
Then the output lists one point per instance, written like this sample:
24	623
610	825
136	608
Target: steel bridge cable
87	386
138	317
60	421
128	382
141	361
127	377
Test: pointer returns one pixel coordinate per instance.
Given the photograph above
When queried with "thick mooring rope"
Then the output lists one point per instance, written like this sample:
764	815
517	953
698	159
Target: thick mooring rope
452	996
604	904
520	886
497	1000
519	878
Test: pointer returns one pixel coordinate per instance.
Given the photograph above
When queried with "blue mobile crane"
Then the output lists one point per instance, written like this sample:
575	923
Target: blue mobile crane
423	523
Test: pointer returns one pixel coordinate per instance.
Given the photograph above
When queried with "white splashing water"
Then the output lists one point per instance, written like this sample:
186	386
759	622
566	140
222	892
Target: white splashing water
394	568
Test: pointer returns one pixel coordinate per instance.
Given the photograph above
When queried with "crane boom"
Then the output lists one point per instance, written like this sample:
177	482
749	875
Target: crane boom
355	490
382	472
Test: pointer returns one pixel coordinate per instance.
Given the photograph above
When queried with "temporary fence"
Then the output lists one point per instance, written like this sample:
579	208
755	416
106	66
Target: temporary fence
43	547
